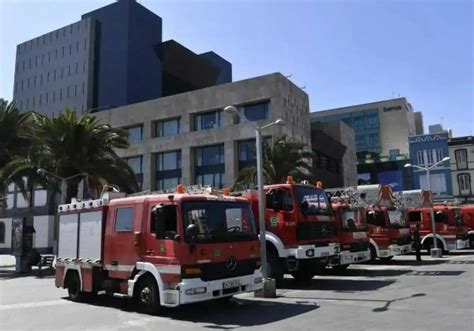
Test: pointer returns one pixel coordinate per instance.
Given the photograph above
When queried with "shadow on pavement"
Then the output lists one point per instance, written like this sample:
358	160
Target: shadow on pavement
217	315
338	285
436	273
9	273
461	252
369	273
415	263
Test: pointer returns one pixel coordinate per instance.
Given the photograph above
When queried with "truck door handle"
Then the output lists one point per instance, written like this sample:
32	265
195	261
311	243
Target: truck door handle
114	263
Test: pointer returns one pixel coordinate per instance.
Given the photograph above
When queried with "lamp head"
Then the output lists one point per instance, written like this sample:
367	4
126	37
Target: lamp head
408	165
279	121
447	158
231	110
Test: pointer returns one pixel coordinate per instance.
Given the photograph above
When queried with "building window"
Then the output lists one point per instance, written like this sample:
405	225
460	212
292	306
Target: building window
393	153
420	157
135	134
205	121
168	170
256	112
167	128
439	154
210	165
461	158
429	156
247	153
136	164
464	183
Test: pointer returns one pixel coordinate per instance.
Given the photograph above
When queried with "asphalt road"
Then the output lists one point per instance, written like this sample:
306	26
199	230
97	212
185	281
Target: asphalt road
400	295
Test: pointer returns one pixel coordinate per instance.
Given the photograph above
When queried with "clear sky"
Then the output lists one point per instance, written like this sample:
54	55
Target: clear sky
343	52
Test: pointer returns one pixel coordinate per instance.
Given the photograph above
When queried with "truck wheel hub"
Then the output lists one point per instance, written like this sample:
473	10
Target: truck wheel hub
145	295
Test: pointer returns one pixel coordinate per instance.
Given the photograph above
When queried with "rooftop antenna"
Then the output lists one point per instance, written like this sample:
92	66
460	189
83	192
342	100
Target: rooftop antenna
303	87
289	76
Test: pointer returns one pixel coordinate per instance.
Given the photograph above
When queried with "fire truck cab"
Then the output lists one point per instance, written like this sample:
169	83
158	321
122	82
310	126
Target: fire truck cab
451	232
468	217
388	229
353	237
160	249
301	232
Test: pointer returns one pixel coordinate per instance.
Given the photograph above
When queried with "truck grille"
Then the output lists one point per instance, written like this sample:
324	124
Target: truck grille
358	247
213	271
316	230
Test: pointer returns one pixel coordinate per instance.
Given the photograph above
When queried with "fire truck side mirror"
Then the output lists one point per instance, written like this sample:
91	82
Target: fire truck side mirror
192	232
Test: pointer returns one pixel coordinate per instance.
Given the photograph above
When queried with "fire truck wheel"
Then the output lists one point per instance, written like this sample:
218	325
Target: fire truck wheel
275	267
471	241
146	295
429	244
340	268
305	273
386	259
373	253
74	288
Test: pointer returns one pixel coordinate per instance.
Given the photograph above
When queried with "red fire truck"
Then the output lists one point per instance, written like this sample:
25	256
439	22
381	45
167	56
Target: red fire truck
352	227
468	217
389	231
160	249
451	231
301	232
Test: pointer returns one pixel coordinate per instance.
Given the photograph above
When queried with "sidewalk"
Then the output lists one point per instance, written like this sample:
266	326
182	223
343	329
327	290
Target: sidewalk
7	261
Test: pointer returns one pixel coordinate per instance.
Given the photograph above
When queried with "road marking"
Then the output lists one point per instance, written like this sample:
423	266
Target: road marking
34	304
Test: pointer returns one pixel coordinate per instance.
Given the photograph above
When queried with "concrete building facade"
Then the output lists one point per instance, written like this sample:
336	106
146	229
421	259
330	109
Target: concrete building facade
461	152
187	138
335	154
426	150
381	127
113	56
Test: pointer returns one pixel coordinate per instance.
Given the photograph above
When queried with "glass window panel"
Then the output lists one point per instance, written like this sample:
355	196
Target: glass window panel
124	219
135	163
135	134
207	121
256	112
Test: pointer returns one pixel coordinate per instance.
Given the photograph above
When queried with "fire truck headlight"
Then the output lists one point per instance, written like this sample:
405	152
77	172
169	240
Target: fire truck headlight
196	290
310	252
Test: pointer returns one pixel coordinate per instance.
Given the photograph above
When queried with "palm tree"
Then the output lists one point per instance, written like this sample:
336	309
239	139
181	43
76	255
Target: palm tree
14	139
287	157
67	145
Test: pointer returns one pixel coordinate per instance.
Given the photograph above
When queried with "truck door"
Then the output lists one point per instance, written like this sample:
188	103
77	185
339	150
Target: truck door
279	212
121	253
161	234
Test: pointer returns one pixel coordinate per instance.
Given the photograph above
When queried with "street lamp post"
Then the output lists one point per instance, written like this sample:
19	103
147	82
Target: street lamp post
268	284
62	199
435	251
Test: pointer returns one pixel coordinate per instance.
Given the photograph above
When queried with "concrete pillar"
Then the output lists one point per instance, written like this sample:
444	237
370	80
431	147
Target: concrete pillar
147	169
230	160
187	165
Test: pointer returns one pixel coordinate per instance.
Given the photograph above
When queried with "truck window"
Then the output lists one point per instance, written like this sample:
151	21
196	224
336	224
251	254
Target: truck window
163	222
441	217
124	219
414	216
376	218
281	197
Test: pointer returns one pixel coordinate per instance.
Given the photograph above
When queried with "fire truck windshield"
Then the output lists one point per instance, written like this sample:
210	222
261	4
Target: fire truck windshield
220	221
353	220
397	219
317	200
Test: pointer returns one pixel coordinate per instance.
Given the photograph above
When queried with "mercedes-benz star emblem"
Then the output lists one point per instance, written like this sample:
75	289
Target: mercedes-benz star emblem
231	263
324	231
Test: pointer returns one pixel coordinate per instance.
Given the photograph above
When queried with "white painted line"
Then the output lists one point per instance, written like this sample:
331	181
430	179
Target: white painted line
34	304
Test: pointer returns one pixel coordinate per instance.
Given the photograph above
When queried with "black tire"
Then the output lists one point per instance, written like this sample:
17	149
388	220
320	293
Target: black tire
373	253
340	268
74	288
147	296
386	259
275	267
224	299
305	273
471	241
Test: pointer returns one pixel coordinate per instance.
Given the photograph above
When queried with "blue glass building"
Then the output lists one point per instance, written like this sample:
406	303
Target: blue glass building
425	150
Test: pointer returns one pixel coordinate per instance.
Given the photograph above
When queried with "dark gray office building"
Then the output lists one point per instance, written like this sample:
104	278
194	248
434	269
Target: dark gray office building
112	57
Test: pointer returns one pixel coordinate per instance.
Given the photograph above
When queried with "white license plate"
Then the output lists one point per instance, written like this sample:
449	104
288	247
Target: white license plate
231	283
324	254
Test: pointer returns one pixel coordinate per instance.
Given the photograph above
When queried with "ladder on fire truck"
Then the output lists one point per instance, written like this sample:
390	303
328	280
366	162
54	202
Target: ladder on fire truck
366	195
